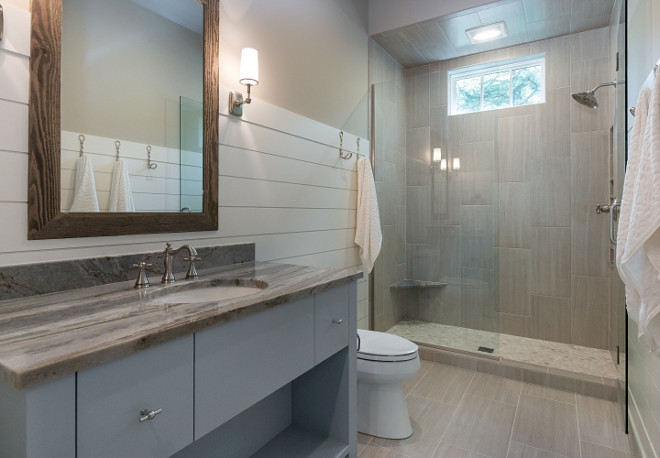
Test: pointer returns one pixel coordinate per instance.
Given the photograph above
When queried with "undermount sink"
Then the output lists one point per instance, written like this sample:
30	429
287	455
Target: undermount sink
210	292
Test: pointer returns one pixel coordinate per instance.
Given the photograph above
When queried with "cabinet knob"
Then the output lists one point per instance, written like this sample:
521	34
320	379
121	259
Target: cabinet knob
147	414
339	321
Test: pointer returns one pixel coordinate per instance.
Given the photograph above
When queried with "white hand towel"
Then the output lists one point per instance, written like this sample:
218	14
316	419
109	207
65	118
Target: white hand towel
84	193
121	194
638	240
368	235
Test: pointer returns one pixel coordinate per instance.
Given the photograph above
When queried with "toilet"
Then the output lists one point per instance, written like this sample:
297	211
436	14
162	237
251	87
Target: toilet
384	362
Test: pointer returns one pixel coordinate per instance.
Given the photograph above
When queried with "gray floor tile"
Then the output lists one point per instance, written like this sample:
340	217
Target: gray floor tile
547	425
494	387
412	383
445	384
373	451
481	425
445	450
590	450
429	419
601	423
518	450
548	393
362	441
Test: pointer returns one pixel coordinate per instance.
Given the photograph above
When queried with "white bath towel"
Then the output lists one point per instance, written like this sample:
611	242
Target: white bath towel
638	240
84	193
121	194
368	235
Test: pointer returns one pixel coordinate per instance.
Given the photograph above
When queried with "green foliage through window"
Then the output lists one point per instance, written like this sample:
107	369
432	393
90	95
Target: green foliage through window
500	85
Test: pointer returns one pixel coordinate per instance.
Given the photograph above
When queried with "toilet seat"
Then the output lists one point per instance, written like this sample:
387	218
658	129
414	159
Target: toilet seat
383	347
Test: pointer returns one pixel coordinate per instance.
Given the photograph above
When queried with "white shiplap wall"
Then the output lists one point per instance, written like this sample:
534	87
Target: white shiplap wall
281	185
154	190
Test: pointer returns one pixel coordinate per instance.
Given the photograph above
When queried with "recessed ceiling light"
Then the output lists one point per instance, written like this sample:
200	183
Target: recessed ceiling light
487	32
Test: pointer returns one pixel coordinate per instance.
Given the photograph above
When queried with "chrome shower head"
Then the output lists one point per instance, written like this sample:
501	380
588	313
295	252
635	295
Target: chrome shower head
588	99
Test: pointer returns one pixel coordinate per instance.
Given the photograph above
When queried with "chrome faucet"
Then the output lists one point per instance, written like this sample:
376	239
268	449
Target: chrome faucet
168	276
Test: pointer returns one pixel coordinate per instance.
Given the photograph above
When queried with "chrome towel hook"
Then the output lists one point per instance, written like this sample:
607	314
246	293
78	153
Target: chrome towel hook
117	145
655	74
150	165
341	147
81	139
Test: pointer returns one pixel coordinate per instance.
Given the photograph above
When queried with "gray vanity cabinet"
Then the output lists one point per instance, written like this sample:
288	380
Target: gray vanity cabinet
331	323
280	382
242	362
111	397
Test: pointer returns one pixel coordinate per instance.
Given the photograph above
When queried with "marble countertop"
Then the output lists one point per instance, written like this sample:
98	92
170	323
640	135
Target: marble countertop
51	335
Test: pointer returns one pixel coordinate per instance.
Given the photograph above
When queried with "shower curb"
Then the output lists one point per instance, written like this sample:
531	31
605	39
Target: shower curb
572	382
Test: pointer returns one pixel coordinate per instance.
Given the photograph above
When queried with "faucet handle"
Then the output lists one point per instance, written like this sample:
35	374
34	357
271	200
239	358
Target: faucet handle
192	271
142	265
142	280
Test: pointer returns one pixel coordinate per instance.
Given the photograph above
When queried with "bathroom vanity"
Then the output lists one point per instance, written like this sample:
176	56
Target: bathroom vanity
112	371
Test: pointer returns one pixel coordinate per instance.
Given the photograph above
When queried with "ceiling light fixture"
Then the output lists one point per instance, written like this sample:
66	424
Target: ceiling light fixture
487	32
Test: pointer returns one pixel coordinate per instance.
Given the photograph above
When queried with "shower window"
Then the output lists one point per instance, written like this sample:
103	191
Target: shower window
497	85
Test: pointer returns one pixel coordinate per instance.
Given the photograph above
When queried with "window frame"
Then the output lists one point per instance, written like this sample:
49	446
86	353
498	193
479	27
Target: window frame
453	76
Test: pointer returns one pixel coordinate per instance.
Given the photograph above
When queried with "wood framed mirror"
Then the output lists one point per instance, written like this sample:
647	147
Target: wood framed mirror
46	220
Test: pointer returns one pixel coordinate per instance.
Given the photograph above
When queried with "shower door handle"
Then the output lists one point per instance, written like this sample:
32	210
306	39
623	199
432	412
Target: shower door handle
613	206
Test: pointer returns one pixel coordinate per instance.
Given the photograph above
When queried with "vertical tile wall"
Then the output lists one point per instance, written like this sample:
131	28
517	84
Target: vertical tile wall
514	232
387	76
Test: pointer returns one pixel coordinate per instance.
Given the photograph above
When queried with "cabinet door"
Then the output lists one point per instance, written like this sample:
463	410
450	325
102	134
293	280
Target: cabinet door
243	361
332	322
111	396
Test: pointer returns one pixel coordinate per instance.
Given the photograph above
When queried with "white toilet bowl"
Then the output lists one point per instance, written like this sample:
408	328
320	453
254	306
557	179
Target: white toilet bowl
385	361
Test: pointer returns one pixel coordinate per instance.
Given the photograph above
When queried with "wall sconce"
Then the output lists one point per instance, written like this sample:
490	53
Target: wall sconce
456	164
249	75
438	160
437	155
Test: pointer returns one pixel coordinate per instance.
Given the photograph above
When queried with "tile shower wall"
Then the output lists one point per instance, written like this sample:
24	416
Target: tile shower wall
280	185
388	79
513	233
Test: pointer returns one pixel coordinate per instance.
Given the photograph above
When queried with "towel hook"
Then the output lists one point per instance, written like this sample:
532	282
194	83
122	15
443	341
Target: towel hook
81	139
357	141
341	147
117	145
655	74
150	165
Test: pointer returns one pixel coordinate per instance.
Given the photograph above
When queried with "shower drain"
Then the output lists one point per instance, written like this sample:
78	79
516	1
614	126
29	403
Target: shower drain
486	349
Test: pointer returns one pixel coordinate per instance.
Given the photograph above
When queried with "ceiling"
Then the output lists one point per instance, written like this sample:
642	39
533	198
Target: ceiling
444	37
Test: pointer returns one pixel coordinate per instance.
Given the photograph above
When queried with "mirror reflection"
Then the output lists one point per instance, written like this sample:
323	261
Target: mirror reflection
131	111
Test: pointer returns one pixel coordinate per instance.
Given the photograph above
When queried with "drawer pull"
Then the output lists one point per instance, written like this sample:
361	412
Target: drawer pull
149	414
339	321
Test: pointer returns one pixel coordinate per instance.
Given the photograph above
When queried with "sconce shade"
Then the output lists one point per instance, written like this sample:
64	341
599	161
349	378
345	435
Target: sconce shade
249	73
437	154
443	164
456	165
